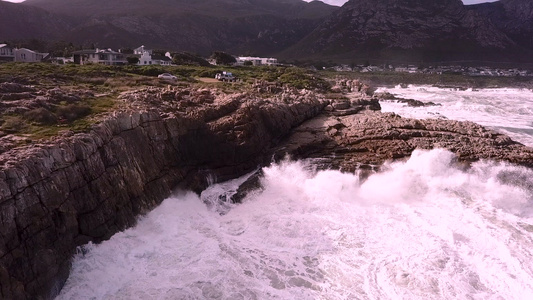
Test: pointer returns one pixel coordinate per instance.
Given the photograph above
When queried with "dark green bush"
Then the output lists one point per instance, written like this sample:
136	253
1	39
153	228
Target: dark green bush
41	115
72	112
13	124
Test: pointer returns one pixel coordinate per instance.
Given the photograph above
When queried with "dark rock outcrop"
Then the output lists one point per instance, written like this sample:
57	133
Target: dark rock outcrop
409	102
86	187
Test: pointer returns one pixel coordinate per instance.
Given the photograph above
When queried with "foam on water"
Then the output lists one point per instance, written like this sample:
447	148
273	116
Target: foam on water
422	229
506	110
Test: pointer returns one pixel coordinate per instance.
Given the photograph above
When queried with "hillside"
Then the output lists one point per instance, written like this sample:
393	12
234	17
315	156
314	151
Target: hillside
406	30
258	27
24	22
513	17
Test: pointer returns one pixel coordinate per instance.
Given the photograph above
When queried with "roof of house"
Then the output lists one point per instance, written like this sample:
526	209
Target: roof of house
160	57
94	51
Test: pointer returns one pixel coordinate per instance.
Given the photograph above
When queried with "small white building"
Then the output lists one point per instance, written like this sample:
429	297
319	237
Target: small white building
6	53
256	61
27	55
147	58
141	50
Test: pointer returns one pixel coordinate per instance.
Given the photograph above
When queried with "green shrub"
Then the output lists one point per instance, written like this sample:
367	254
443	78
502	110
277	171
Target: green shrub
73	112
13	124
41	115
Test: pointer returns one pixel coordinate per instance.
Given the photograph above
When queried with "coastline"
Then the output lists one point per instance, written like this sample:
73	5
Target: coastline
85	187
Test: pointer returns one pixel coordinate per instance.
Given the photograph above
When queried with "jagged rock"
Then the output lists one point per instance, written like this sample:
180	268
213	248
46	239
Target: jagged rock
78	188
253	183
409	102
371	137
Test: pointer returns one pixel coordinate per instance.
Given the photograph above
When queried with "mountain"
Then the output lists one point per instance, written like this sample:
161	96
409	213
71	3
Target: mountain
258	27
24	22
406	30
416	31
513	17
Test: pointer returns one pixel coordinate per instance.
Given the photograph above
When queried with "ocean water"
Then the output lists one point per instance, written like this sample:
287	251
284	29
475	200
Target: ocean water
424	228
505	110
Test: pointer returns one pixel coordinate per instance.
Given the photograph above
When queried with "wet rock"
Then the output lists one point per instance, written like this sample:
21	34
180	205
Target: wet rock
409	102
77	188
371	138
252	184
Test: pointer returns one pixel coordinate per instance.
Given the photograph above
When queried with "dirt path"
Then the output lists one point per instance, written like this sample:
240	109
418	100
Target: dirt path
207	79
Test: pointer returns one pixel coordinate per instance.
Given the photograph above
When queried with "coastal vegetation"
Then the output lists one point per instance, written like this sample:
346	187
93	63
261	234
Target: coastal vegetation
41	100
57	98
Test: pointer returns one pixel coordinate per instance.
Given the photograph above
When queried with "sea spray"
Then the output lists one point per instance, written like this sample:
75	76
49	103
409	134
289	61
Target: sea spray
506	110
425	228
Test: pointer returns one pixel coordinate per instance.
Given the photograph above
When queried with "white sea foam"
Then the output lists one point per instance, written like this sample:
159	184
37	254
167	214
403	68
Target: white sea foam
422	229
506	110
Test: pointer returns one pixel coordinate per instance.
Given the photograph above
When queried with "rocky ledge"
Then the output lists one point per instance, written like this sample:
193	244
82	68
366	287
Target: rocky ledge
78	188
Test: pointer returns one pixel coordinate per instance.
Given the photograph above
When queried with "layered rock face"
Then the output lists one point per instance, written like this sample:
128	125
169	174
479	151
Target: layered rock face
369	138
86	187
413	30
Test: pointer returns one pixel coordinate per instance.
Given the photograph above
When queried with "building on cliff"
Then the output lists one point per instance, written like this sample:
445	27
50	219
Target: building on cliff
99	56
6	53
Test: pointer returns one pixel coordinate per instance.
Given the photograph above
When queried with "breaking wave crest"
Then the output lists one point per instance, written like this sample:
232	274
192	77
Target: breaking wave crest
425	228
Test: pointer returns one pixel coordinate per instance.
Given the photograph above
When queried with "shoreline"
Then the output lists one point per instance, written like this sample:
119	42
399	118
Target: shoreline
86	186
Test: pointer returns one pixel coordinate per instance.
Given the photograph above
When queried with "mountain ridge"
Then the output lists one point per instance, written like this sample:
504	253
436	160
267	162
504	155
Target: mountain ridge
412	30
381	30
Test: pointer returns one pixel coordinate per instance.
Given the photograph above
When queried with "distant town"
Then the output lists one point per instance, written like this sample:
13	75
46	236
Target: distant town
143	56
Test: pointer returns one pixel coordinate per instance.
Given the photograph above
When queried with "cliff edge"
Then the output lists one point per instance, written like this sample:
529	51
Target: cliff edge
80	188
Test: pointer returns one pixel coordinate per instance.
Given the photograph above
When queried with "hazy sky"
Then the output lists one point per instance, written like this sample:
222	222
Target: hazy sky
340	2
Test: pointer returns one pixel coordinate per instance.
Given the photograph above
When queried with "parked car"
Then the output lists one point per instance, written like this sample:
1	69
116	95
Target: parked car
225	76
167	76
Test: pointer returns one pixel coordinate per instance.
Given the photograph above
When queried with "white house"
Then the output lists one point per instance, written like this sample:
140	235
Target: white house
6	53
141	50
99	56
147	58
27	55
256	61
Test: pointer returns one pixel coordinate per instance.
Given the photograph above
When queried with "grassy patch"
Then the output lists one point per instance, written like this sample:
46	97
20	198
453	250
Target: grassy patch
105	83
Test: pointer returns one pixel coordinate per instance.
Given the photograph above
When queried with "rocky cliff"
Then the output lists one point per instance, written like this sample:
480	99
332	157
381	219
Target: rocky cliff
86	187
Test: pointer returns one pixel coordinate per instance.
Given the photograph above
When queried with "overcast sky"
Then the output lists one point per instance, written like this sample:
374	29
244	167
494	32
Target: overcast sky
341	2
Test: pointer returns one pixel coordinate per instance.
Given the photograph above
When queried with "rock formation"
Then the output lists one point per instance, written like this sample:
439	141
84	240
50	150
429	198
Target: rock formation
64	193
77	188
